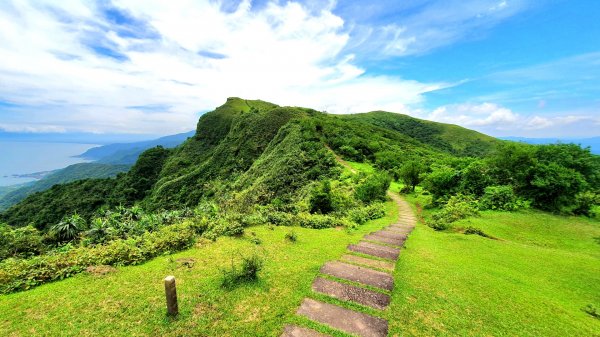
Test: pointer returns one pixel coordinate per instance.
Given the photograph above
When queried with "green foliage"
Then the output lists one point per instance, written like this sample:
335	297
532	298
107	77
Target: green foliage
363	214
458	207
411	173
388	159
373	188
442	181
20	242
69	228
500	198
476	231
291	236
24	274
321	199
247	271
584	203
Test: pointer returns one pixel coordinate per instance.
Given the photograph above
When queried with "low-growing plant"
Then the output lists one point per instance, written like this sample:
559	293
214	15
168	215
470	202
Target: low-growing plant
246	272
27	273
291	236
476	231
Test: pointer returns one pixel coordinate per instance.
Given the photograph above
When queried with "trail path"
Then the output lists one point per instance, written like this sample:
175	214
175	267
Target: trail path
362	276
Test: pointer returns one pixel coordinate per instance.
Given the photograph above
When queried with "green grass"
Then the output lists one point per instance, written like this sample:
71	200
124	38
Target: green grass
533	281
131	301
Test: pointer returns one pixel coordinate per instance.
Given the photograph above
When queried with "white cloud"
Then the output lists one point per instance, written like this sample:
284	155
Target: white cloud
427	25
497	120
285	53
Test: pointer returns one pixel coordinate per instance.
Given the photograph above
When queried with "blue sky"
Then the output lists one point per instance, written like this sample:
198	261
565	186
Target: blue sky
503	67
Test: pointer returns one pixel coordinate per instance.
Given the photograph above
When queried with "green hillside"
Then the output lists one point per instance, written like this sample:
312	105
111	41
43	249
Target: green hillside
68	174
248	152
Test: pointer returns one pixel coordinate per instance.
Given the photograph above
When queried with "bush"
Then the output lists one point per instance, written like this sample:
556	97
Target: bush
320	199
364	214
458	207
246	272
584	204
20	242
291	236
24	274
373	188
501	198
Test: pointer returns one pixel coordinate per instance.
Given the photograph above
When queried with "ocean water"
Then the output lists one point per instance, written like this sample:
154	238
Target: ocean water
32	157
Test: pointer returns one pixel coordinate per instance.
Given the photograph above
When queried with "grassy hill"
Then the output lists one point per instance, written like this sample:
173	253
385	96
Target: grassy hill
249	152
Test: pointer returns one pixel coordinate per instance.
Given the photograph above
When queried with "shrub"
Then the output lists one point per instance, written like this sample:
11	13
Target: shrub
501	198
20	242
320	199
69	227
364	214
584	204
373	188
24	274
246	272
442	181
458	207
291	236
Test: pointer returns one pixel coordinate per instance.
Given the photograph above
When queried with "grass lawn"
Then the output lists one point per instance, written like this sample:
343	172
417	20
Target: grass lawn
533	281
131	301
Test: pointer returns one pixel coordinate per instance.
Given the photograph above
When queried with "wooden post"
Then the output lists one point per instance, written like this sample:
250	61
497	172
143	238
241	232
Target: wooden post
171	294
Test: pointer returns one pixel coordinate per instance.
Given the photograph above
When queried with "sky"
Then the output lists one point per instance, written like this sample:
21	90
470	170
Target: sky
526	68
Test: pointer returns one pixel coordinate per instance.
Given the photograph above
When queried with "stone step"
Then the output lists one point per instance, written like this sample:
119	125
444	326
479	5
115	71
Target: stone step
391	234
388	249
400	229
346	292
358	274
383	239
346	320
386	265
297	331
363	248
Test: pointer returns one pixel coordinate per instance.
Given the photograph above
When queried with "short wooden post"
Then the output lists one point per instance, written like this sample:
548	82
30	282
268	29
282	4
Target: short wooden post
171	294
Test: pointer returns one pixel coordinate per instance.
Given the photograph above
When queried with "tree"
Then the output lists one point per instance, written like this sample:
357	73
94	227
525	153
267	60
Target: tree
411	173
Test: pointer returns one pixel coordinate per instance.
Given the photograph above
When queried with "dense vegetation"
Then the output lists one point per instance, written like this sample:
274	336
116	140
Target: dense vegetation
255	163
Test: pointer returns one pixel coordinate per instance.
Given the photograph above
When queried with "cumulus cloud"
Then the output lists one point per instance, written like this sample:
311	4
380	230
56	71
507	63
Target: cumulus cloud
151	66
497	120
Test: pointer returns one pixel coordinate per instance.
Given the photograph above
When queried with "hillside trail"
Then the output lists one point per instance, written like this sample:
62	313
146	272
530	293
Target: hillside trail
362	276
340	160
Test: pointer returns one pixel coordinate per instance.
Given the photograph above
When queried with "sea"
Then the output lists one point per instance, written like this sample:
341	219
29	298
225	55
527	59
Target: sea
23	158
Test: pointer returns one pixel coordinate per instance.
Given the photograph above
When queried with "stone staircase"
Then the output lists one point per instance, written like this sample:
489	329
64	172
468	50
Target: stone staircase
362	276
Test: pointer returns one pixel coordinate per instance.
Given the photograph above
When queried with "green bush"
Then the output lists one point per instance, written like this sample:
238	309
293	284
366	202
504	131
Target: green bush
458	207
501	198
291	236
20	242
24	274
320	199
373	188
246	272
476	231
364	214
584	204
